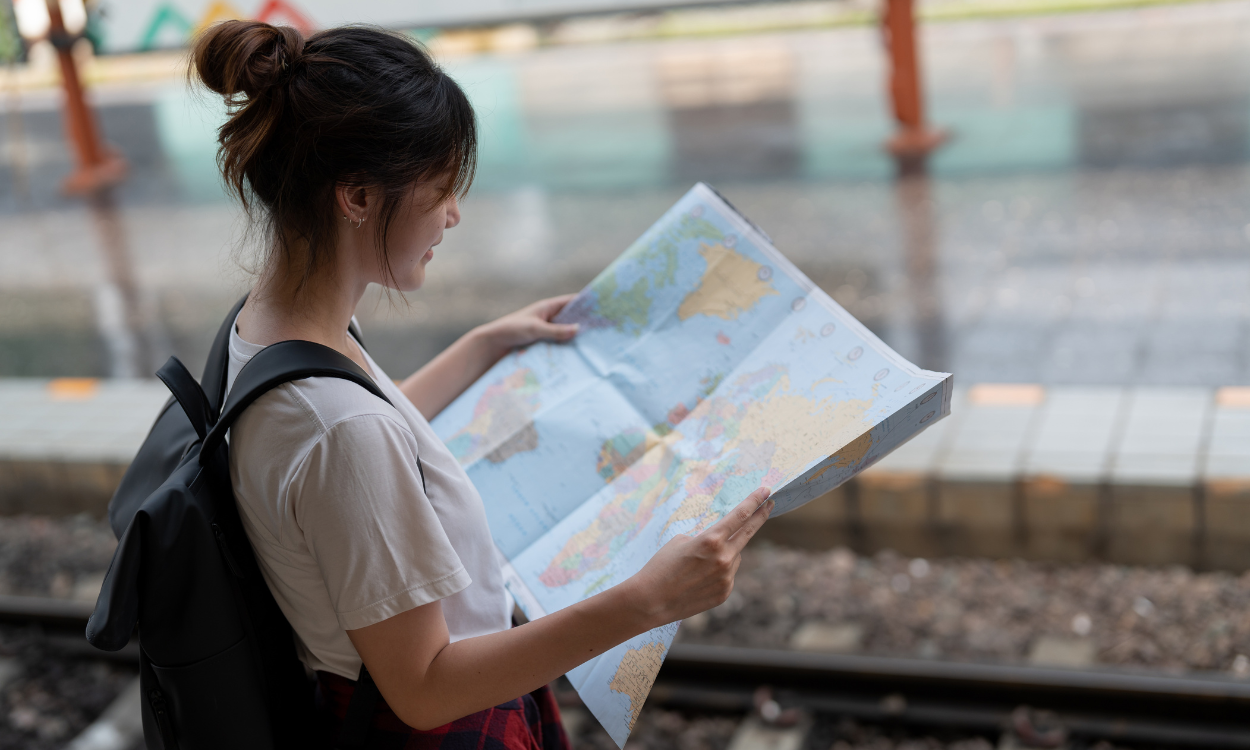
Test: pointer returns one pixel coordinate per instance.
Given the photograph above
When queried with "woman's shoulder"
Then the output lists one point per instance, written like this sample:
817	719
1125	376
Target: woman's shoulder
312	410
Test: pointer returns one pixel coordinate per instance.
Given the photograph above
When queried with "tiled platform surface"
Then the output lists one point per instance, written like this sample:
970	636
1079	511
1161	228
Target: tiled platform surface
65	442
1139	475
1150	476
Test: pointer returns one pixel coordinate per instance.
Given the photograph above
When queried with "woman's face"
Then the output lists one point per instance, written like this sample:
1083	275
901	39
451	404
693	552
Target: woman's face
415	232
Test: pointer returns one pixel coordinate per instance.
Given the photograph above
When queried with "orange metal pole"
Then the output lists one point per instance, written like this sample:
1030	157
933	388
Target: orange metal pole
97	166
914	138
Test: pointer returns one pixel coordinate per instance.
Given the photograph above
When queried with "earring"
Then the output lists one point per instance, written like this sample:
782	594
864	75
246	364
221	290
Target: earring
359	222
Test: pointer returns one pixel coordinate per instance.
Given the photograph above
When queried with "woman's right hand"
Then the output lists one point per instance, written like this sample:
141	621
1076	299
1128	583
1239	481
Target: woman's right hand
694	574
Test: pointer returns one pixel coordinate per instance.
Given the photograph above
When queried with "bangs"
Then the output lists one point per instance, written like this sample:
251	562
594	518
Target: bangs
455	136
462	152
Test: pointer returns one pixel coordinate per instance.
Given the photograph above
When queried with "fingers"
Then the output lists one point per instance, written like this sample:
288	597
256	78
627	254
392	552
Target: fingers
554	331
551	307
753	524
739	516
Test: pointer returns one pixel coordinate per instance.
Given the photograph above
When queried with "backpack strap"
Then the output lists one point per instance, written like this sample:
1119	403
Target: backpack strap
355	332
278	364
188	394
213	380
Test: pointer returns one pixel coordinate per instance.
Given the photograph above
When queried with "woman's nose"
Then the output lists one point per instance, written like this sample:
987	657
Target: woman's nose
453	212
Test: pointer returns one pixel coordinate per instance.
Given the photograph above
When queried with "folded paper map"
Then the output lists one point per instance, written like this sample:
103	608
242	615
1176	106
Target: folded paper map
706	366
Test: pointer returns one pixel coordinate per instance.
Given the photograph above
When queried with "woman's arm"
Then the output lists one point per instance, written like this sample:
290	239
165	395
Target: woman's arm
429	681
446	376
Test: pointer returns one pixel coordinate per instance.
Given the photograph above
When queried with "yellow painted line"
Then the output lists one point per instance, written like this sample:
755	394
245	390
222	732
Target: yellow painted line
958	11
73	389
1233	397
1048	484
1006	394
1228	486
696	22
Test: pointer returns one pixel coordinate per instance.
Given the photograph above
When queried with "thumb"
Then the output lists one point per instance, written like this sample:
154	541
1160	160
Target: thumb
557	331
551	307
735	519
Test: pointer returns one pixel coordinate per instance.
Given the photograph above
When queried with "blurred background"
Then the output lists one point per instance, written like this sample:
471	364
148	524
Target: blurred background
1086	223
1063	225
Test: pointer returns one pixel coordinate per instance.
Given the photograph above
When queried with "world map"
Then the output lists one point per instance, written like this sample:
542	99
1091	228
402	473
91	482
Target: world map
706	365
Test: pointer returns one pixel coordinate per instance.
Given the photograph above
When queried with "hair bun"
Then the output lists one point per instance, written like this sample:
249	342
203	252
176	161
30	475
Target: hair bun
245	57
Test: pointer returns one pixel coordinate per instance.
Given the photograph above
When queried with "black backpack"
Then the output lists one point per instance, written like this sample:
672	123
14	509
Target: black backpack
218	666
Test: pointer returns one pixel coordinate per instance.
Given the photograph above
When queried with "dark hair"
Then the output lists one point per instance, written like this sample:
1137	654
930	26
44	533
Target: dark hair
355	106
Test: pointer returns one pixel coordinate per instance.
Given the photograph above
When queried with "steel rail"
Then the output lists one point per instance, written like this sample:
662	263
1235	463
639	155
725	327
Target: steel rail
1192	710
62	624
61	614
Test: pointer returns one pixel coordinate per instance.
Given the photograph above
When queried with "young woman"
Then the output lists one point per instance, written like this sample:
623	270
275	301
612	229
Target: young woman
350	149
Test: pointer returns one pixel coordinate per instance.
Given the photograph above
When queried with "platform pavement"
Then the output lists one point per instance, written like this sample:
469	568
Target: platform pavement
1137	475
1151	476
65	442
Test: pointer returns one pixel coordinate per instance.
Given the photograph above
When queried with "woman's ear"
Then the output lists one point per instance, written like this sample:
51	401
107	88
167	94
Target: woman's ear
353	202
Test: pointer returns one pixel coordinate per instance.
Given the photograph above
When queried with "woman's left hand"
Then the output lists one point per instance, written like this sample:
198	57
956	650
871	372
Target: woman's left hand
529	324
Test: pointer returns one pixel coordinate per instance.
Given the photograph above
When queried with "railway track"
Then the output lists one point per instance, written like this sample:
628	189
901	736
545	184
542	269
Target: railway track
62	624
1121	706
1051	707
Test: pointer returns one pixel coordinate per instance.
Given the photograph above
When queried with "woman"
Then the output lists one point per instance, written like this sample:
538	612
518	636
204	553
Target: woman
350	150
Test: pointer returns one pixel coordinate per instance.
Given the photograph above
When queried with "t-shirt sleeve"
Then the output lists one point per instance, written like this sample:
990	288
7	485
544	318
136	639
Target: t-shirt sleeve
358	499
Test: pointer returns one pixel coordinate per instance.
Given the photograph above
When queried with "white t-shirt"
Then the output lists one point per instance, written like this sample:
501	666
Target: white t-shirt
329	490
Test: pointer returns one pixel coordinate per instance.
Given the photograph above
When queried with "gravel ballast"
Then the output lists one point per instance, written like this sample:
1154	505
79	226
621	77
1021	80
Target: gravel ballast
659	729
985	610
60	557
1172	619
52	698
885	604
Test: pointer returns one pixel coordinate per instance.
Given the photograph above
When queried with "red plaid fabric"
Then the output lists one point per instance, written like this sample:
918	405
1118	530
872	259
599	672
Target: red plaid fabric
531	722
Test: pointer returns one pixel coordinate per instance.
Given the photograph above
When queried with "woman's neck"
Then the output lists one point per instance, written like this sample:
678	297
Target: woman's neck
320	309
